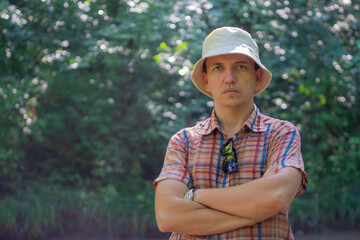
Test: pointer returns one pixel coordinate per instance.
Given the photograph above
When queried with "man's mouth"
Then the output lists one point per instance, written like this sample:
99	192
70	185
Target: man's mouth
230	91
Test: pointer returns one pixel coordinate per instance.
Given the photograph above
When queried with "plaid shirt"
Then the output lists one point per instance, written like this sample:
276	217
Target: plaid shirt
193	157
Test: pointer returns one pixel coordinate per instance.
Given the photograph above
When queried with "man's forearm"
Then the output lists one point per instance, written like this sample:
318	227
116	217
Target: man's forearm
175	214
258	199
238	201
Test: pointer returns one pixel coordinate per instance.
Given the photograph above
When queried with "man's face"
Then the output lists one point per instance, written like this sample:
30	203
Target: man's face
231	79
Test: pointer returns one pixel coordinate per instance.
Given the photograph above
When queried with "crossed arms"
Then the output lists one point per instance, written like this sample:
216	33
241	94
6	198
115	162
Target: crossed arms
219	210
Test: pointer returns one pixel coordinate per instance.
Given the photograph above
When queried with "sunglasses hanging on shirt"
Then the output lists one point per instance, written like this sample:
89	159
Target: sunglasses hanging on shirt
230	163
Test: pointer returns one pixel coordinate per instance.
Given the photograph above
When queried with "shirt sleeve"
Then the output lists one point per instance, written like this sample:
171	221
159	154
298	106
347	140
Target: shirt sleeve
176	160
286	152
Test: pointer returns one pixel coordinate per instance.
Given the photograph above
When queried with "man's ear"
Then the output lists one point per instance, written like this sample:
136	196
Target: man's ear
205	81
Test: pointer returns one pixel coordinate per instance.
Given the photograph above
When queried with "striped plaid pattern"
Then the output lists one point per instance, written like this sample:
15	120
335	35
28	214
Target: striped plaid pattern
193	157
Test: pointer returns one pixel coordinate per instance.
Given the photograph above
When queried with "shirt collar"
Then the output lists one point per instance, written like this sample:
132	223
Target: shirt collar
254	122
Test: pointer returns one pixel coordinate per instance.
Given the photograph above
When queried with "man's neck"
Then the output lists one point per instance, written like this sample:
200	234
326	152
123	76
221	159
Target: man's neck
232	119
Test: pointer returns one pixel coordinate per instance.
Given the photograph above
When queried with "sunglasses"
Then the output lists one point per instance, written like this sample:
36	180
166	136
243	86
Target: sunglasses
230	163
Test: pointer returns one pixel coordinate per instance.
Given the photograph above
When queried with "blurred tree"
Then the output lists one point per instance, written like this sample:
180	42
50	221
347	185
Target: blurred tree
92	90
76	78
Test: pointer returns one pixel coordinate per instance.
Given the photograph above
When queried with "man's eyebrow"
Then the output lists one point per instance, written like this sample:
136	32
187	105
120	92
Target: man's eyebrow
216	63
237	62
243	62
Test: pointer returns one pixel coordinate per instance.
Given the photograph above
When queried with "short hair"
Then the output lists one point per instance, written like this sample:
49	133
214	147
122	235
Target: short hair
205	68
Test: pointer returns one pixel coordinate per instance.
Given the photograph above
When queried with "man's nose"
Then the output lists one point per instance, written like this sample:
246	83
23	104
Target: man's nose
229	77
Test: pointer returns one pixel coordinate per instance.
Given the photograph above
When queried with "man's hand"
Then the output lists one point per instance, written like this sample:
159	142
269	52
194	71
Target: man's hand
175	214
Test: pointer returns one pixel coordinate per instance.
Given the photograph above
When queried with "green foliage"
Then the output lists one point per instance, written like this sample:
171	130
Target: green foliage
90	92
110	211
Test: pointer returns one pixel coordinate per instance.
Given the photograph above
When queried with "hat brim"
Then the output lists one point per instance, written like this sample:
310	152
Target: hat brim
197	78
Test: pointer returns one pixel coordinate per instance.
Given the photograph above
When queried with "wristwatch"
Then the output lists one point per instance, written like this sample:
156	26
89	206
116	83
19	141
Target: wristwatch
189	195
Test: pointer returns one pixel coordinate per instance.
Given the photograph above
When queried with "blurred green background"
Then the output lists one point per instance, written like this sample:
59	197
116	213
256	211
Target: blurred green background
91	91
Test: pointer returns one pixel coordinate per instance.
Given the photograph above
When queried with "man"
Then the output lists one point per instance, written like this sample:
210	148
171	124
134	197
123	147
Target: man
234	175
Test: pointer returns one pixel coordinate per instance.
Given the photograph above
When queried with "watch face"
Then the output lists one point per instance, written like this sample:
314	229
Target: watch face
189	194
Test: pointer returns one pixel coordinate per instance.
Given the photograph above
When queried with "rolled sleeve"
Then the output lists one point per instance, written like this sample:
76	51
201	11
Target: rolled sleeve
286	152
176	161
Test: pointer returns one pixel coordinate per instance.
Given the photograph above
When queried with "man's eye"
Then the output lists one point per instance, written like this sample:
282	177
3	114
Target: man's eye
241	66
217	68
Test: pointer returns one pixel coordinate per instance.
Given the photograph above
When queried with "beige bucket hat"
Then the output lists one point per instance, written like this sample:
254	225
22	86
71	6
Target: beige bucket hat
229	40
